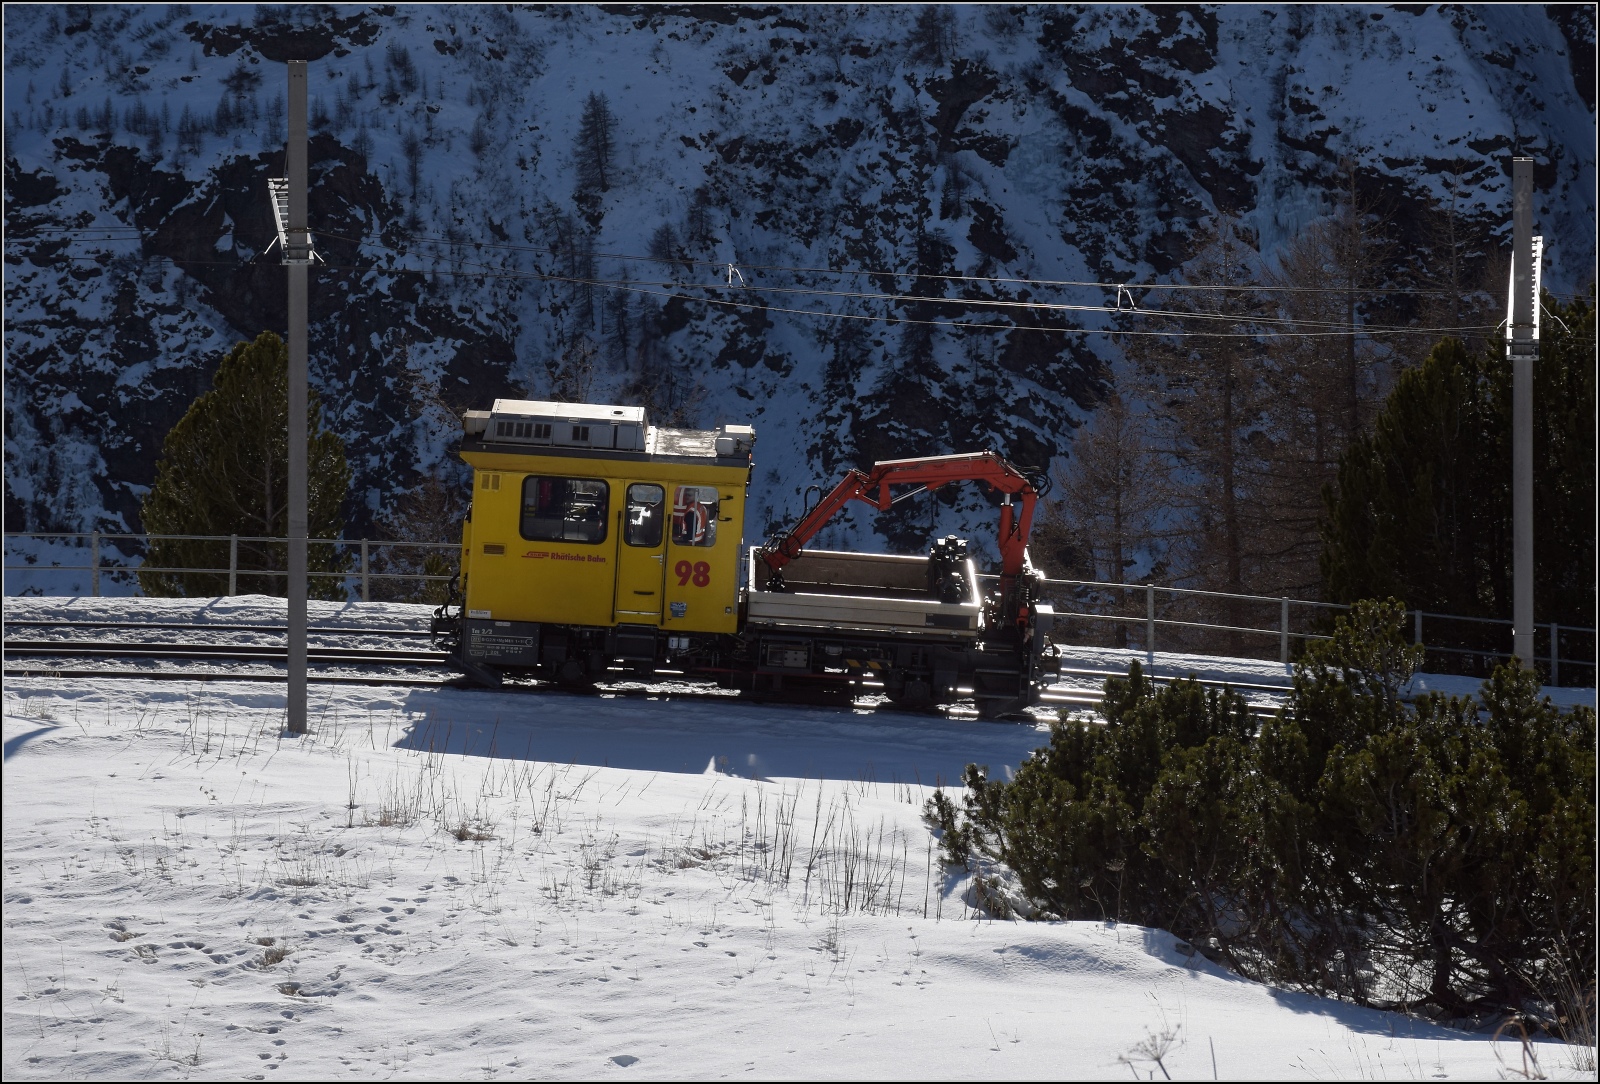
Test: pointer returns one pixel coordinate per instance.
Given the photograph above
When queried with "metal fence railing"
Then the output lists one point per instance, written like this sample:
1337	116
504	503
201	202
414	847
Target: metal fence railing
1264	626
1121	614
371	562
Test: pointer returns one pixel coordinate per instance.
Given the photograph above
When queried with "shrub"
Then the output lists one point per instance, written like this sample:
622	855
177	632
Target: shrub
1434	855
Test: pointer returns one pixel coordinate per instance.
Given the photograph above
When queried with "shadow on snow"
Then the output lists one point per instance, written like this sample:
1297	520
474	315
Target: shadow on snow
699	734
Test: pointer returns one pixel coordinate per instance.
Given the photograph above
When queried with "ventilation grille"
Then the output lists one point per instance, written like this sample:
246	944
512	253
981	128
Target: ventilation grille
522	430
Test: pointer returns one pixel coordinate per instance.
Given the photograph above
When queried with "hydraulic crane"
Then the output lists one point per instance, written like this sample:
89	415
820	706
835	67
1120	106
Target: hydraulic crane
1020	492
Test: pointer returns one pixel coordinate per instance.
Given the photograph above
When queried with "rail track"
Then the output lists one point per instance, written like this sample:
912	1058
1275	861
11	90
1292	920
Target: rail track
216	626
239	652
79	658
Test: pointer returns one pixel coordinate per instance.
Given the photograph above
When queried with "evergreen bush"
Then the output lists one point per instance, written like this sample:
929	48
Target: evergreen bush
1433	855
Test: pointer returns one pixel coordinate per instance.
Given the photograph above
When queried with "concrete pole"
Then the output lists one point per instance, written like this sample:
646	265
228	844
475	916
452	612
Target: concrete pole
297	254
1523	349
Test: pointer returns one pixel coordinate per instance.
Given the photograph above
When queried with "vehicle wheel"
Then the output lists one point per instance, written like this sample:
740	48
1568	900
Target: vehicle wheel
486	677
996	710
916	694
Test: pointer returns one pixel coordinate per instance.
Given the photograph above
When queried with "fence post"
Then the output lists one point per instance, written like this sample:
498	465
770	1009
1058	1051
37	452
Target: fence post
1150	619
1416	627
233	564
1283	633
364	597
94	564
1555	653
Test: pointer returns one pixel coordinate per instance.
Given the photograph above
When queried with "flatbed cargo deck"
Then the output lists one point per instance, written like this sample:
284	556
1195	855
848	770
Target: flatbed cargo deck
866	592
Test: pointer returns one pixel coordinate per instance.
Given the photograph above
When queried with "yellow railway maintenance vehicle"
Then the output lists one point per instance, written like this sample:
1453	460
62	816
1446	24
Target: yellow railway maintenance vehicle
595	537
597	541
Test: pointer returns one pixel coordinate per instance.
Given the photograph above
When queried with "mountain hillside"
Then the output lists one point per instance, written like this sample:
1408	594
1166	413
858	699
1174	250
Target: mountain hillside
657	205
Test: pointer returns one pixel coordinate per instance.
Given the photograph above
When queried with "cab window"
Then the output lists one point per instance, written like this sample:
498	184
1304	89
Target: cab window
642	526
564	509
694	516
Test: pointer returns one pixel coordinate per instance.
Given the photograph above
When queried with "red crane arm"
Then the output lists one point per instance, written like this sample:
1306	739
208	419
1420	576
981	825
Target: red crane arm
932	472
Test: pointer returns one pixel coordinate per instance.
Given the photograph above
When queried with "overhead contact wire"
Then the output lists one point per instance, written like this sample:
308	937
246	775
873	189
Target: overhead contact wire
879	273
929	275
1329	328
630	286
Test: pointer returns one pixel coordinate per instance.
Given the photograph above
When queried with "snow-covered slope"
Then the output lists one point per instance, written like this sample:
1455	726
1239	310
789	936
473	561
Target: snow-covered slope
446	884
1079	144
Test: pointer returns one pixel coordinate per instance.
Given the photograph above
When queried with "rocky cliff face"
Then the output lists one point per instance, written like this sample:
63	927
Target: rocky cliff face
483	217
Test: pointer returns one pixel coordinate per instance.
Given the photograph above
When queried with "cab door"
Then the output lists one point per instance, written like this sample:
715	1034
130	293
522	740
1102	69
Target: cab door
701	562
641	555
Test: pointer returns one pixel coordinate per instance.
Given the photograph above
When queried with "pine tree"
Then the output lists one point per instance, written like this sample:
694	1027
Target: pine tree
1407	516
1322	387
1422	507
933	35
698	230
431	511
596	145
224	471
1207	390
1112	494
411	148
1453	263
1564	463
1114	489
667	251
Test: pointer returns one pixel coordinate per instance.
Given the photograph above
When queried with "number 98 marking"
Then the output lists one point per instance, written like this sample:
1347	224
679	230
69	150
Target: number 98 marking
699	572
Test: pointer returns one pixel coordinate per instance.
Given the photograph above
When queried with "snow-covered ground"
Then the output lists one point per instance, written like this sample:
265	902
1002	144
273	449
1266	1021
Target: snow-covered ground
451	883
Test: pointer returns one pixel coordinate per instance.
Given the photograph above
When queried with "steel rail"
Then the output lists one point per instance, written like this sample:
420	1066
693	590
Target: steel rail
242	652
1214	683
211	626
193	675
